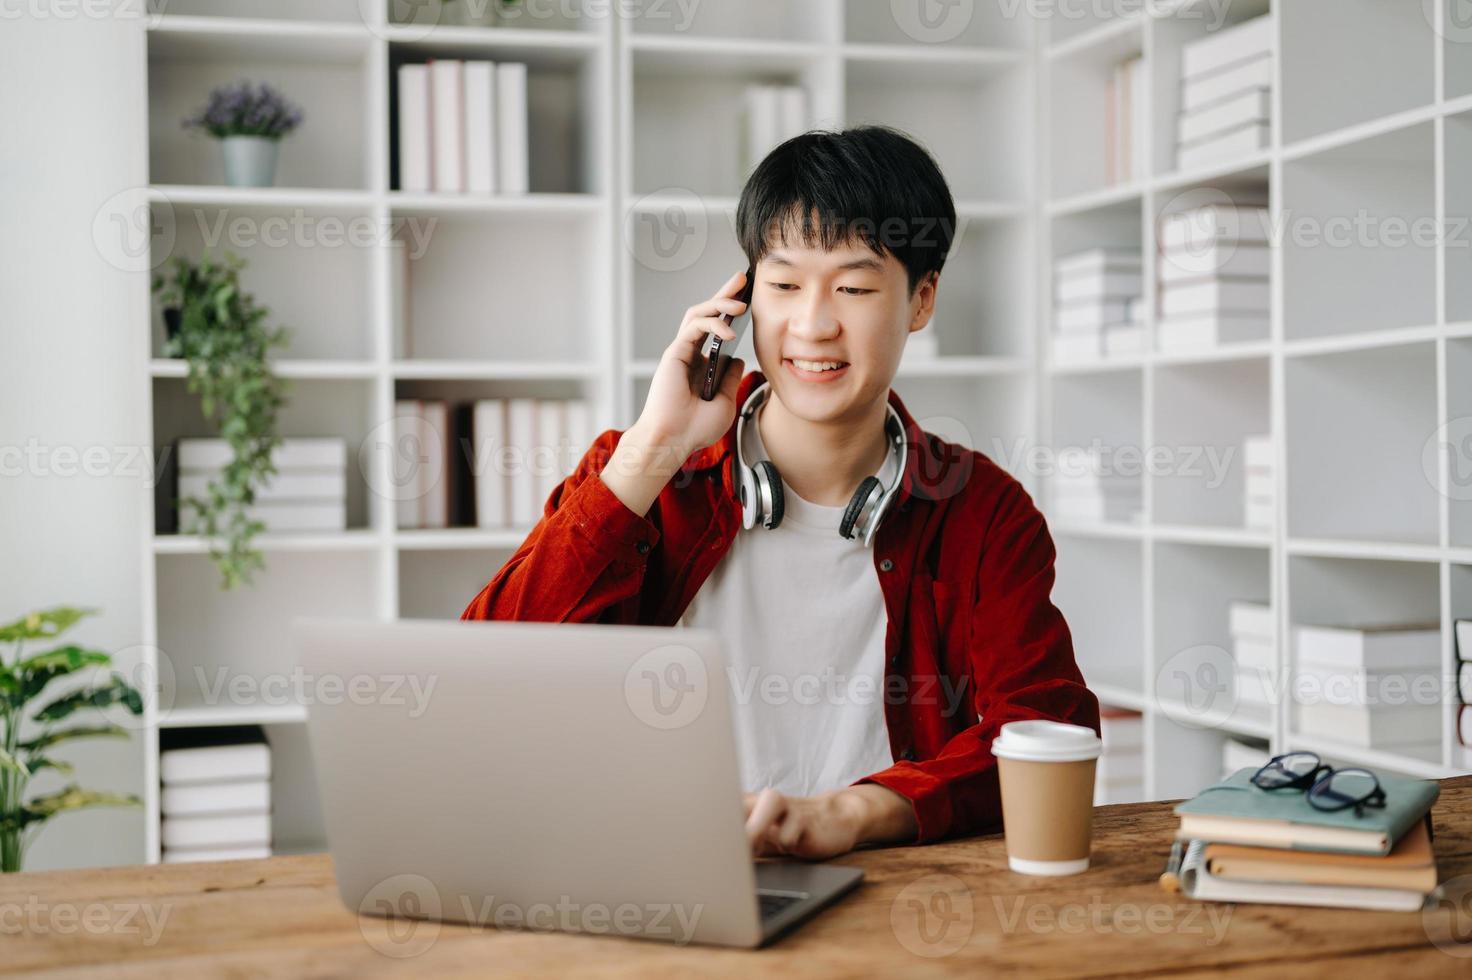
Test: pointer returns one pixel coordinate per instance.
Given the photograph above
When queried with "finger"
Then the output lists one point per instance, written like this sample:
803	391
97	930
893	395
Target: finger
691	339
733	285
789	833
770	805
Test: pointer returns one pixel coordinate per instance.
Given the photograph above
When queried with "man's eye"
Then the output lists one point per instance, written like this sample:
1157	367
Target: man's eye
785	285
855	290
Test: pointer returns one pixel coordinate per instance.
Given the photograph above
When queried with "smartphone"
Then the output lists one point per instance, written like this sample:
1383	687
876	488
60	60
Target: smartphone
715	361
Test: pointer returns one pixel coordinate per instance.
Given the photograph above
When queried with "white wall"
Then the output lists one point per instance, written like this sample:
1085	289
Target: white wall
72	113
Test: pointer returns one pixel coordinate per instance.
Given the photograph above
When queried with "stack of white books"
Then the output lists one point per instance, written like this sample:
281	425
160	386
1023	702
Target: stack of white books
1097	309
1243	753
1125	148
1215	277
522	449
1375	687
215	798
463	127
774	114
1119	775
1226	95
308	492
1082	491
1254	630
1259	490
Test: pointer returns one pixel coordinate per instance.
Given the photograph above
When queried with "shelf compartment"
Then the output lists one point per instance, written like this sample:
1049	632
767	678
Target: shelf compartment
570	17
1358	236
1182	758
289	252
1454	439
567	126
440	584
1102	411
329	12
1099	590
926	100
464	295
1456	46
1458	228
991	416
1077	122
338	407
1349	61
229	651
326	75
751	20
681	250
1357	424
1202	415
983	307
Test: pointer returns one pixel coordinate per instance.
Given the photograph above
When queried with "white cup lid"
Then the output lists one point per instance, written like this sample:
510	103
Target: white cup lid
1046	741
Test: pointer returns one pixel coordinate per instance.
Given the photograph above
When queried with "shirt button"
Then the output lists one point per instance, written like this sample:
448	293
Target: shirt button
908	755
886	565
643	547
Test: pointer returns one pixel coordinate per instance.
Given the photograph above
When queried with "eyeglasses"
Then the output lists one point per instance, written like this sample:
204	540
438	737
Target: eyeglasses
1328	789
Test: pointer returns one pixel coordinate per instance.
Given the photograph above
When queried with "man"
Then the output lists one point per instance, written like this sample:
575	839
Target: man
870	676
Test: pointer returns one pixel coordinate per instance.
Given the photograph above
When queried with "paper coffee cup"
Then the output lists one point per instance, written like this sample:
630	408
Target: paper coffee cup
1047	775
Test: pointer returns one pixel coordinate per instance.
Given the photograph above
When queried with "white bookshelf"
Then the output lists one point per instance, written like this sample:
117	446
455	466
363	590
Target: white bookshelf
1367	356
1011	109
562	292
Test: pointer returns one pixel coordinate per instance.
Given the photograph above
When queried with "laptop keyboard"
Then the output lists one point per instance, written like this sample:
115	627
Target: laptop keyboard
774	902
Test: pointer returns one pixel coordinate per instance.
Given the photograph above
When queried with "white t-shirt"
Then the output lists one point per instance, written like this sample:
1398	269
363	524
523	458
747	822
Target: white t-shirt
802	622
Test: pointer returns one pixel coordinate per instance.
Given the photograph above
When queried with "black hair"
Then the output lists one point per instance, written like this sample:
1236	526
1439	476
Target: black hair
871	184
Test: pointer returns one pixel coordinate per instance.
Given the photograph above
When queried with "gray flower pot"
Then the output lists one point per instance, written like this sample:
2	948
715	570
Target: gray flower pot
250	161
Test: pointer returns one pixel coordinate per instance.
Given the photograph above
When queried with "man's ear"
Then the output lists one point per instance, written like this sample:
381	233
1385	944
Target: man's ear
922	304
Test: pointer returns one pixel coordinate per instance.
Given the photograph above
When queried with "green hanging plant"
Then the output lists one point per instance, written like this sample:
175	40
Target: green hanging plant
223	334
22	682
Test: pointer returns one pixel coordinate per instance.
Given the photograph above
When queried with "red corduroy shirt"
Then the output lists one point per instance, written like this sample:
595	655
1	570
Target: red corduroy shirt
964	561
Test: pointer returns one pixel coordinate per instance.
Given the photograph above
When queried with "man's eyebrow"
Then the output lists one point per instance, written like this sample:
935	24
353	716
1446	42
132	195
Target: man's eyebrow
868	262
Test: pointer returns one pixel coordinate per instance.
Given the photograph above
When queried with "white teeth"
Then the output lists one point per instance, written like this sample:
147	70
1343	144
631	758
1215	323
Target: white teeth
817	366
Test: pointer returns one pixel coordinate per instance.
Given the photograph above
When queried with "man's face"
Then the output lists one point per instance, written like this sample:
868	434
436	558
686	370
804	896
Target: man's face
814	309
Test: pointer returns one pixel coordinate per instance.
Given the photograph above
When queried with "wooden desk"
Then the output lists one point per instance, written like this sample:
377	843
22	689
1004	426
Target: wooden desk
282	917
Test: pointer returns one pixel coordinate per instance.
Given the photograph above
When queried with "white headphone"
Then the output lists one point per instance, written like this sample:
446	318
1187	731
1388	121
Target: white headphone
760	486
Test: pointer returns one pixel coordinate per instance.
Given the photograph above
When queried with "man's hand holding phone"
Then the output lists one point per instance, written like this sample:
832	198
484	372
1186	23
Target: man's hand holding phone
676	421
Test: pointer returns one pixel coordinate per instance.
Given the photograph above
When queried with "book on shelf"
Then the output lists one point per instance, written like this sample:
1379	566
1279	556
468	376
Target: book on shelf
522	449
1222	147
1215	296
286	517
1227	259
492	490
1464	726
1234	811
1125	149
215	793
1255	653
308	491
213	753
282	486
1090	317
1253	106
1230	224
419	457
1199	331
773	114
1369	647
1227	48
216	797
1410	729
1096	286
462	127
1244	76
188	855
1462	637
1252	619
1097	261
295	453
521	437
216	831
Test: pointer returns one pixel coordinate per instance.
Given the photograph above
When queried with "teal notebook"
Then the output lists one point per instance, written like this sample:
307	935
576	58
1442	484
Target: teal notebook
1236	812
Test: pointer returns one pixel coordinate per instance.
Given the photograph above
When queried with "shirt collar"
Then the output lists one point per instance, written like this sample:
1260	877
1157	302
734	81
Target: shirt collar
921	461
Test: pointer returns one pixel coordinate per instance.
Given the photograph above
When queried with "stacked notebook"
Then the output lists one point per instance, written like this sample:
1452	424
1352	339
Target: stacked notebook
216	793
308	492
1239	843
1097	308
774	114
1226	95
1259	490
1126	151
1254	630
1375	687
1214	273
1119	775
1084	489
462	127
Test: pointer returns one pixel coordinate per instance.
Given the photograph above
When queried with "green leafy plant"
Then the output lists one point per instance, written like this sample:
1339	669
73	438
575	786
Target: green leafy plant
224	335
23	680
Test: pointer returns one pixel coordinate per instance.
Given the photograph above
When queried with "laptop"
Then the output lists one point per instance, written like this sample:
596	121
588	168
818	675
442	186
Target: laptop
576	777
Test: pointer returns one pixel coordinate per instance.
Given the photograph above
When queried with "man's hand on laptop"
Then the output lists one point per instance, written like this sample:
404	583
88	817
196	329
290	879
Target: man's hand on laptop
825	826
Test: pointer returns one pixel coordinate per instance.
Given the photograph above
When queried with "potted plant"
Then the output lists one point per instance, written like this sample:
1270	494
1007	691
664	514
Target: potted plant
225	337
250	123
24	681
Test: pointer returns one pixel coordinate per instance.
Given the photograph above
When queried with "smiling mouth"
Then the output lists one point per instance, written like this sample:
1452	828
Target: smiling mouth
817	367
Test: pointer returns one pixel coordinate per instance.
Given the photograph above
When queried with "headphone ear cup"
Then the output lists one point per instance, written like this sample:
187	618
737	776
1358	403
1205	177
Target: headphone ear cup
867	489
766	473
